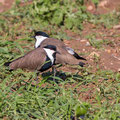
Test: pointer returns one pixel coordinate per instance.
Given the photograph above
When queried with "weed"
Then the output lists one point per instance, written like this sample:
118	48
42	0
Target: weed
60	13
107	20
97	43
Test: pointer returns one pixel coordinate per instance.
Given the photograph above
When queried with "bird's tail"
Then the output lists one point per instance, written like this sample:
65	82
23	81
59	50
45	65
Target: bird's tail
7	63
78	57
72	52
81	64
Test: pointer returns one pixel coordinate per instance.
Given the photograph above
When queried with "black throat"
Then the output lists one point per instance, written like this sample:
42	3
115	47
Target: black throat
48	63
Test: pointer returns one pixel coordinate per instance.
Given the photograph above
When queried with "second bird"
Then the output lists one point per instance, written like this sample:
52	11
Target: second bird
67	55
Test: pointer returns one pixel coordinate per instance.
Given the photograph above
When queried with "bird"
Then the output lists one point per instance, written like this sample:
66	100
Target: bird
39	59
67	55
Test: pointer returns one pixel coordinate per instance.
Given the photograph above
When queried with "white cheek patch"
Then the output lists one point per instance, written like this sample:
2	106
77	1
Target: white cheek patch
39	40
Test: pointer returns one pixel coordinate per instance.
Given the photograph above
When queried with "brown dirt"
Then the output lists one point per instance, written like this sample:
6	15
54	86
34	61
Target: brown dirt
103	7
106	6
109	55
5	5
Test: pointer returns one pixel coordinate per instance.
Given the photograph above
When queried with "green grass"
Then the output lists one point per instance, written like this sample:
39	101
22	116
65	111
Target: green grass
98	42
21	98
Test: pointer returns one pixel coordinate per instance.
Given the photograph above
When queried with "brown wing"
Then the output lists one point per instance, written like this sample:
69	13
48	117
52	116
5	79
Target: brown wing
52	41
64	57
32	60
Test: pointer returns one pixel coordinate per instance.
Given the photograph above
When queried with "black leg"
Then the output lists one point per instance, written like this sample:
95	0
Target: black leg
54	72
36	79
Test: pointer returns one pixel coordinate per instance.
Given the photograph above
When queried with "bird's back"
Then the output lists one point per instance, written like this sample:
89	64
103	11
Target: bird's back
53	41
33	60
64	57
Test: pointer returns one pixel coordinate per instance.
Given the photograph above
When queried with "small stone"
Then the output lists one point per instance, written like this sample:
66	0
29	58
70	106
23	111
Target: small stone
109	51
116	27
118	69
83	40
94	54
87	44
90	7
98	89
103	3
83	49
111	63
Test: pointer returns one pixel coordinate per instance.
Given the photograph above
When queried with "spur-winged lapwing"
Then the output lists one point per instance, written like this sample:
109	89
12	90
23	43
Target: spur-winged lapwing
67	55
39	59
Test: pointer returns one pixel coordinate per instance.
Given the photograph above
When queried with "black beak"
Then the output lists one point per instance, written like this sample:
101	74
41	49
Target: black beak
32	36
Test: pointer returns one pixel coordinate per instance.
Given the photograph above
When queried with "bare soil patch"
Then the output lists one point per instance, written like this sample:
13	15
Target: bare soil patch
5	5
103	7
109	55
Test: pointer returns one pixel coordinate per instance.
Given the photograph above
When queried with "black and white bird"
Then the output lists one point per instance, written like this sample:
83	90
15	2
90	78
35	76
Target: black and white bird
39	59
67	55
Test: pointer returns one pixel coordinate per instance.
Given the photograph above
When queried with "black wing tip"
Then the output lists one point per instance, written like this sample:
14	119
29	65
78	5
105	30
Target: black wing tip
82	58
78	57
11	70
7	63
81	64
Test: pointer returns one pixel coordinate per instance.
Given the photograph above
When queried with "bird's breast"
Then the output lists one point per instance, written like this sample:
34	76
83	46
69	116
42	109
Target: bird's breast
46	65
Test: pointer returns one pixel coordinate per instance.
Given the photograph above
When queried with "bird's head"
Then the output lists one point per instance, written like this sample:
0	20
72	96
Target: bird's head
38	34
39	37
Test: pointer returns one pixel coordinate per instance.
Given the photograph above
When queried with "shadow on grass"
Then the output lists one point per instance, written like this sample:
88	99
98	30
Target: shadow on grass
48	78
61	76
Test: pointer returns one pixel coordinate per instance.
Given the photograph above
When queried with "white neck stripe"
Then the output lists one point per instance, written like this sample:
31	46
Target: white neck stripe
50	54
